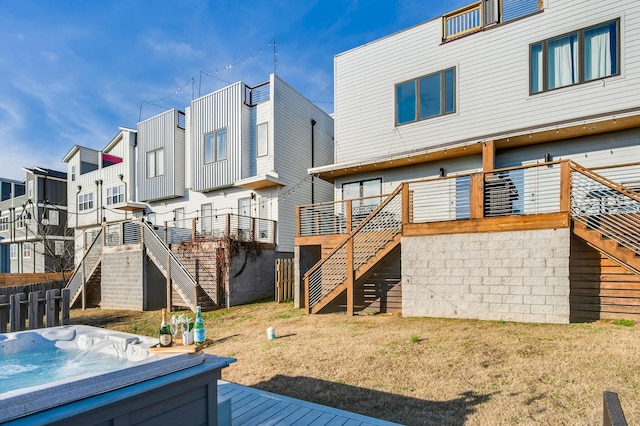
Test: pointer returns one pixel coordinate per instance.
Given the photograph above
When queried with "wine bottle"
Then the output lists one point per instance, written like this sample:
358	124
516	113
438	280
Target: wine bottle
199	334
165	337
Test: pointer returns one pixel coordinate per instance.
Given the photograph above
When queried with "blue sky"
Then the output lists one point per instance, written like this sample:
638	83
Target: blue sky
73	71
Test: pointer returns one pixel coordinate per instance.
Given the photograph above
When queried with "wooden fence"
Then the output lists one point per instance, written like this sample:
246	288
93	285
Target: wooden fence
284	280
18	309
20	279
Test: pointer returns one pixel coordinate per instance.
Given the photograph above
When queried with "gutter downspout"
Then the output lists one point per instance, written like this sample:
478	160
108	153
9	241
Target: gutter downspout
313	161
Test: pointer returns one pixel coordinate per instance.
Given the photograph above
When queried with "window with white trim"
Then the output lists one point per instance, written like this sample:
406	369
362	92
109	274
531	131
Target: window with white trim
591	53
4	223
30	189
59	248
85	201
26	250
53	216
13	251
215	146
262	138
155	163
115	195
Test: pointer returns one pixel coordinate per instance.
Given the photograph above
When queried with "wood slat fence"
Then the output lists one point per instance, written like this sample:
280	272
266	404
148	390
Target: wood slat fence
39	309
21	279
284	280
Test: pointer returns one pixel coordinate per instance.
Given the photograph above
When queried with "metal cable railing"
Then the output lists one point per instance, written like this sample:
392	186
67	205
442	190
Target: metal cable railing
604	206
182	280
331	217
86	267
439	199
372	235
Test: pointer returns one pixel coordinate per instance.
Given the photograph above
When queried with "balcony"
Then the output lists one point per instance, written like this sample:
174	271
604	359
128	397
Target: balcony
484	13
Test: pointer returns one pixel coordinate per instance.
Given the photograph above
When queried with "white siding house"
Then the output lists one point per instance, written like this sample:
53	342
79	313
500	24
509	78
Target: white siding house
448	111
233	164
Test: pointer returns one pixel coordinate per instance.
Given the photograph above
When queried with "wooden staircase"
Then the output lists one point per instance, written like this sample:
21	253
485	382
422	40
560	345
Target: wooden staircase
340	274
612	248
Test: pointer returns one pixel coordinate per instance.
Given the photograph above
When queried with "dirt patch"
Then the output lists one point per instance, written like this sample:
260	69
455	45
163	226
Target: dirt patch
420	371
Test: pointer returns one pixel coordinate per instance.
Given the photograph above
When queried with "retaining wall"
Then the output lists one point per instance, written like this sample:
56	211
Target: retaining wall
511	276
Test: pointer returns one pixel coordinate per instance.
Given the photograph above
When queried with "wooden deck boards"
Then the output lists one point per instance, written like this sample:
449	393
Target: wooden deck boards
253	407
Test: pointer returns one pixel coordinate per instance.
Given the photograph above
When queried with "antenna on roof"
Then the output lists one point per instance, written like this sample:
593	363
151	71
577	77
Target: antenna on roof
275	58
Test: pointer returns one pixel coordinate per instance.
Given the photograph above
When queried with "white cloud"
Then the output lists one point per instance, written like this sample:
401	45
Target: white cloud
183	50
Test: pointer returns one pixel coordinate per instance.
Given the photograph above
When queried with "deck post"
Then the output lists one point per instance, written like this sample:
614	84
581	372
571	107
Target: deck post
405	204
565	187
476	196
488	156
350	275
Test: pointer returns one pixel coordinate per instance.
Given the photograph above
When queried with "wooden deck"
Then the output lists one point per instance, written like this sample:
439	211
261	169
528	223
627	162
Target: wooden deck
253	407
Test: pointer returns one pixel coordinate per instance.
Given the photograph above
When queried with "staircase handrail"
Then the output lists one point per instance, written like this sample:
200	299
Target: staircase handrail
343	243
180	276
617	208
613	185
75	282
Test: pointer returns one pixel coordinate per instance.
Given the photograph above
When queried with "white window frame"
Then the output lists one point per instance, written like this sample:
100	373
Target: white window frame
13	251
262	139
27	248
30	189
155	163
115	194
85	201
58	248
4	223
215	146
54	217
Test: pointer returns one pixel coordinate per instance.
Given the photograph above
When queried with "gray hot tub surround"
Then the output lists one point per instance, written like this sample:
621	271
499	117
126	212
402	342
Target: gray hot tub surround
144	367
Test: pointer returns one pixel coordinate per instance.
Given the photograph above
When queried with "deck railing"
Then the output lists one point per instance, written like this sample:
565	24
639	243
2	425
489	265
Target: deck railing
241	228
606	206
380	227
524	190
462	21
181	279
256	94
331	217
86	267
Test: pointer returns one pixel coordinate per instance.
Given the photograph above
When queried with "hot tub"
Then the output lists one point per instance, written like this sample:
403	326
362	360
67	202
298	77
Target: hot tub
102	364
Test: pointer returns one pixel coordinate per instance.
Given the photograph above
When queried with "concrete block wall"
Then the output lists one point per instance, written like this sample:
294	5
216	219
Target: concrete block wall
252	276
510	276
123	277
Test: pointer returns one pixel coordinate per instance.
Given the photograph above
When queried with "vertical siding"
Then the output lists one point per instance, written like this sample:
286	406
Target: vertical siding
188	149
492	80
161	131
218	110
292	114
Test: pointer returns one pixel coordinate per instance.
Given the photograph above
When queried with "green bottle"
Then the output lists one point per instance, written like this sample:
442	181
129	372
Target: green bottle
166	340
199	335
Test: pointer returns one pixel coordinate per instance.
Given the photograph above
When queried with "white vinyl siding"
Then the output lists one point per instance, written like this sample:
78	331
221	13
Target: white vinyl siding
366	77
292	114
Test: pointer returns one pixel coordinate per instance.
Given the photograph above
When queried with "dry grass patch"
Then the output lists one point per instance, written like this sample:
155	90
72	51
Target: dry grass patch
421	371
